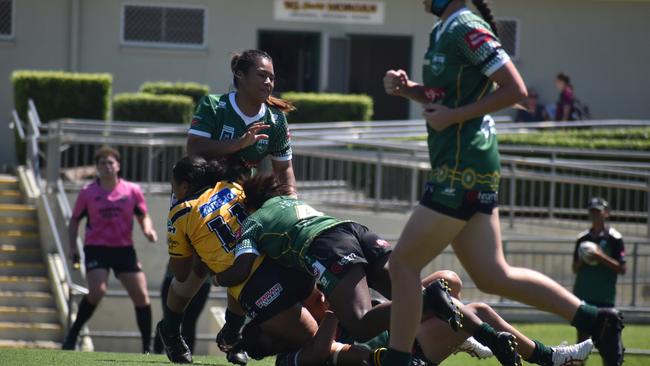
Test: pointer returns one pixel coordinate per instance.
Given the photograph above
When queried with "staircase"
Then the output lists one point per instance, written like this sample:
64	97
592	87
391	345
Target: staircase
28	314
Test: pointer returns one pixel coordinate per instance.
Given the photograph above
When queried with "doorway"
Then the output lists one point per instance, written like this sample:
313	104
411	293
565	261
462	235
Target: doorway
296	59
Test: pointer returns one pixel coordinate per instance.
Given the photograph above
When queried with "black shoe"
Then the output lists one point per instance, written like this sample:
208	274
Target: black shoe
157	343
227	339
237	356
70	341
607	337
175	348
437	298
505	349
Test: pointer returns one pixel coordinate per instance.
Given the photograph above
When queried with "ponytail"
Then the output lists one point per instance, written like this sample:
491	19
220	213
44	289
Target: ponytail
261	188
486	14
284	105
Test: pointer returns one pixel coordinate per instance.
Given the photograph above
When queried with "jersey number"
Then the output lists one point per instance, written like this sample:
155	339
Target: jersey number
223	231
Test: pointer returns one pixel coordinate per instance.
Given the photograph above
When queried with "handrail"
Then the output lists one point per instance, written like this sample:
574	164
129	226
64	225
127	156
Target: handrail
31	138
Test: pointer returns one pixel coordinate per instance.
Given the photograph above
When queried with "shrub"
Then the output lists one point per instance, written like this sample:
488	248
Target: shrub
144	107
193	90
59	94
322	107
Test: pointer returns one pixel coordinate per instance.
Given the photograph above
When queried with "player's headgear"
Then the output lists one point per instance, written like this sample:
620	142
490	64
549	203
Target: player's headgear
438	6
598	203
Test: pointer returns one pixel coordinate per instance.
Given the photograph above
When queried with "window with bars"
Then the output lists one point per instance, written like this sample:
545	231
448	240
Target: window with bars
509	36
6	18
163	26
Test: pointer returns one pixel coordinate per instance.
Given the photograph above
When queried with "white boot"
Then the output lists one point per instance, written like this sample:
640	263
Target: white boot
572	355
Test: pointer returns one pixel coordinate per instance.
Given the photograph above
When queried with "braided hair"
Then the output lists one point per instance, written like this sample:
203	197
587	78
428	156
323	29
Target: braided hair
486	14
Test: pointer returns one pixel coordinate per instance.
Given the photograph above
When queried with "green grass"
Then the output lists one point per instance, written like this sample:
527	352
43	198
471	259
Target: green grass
635	336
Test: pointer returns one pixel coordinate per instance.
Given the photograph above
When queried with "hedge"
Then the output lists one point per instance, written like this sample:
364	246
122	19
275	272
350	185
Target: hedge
59	94
144	107
323	107
193	90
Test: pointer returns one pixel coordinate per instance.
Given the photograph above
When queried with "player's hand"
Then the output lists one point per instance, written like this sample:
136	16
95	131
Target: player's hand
252	135
151	235
438	116
395	82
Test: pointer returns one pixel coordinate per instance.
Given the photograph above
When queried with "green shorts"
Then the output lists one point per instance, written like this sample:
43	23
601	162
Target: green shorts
458	203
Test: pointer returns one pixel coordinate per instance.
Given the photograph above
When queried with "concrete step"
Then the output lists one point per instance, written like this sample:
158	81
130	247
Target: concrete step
19	237
31	331
24	283
39	299
12	252
8	182
14	268
21	343
18	223
28	314
10	196
17	210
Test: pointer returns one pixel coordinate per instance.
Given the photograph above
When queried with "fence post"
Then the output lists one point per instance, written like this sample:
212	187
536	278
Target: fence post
635	258
513	187
54	132
149	165
551	194
647	200
414	180
378	176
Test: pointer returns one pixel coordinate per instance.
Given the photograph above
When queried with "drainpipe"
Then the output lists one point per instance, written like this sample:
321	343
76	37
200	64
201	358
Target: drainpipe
73	49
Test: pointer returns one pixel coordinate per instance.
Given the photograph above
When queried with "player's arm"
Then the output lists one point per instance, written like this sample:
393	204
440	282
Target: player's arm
210	149
80	210
615	264
245	254
142	216
396	82
281	153
577	263
179	248
284	171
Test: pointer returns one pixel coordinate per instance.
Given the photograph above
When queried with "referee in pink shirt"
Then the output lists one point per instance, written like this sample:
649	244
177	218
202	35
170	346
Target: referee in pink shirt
109	205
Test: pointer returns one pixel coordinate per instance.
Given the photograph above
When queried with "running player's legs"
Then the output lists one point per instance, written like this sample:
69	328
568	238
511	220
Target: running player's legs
97	284
135	284
425	235
479	249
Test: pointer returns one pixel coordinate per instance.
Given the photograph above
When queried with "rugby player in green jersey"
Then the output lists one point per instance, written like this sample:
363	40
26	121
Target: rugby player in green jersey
346	259
247	124
461	66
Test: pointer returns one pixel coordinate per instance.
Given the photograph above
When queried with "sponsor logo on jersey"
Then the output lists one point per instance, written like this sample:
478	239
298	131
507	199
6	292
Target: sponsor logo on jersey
477	37
383	243
435	94
449	191
336	268
227	133
487	198
438	63
324	281
274	117
170	227
221	105
196	120
318	269
269	296
262	145
171	243
488	127
217	201
347	259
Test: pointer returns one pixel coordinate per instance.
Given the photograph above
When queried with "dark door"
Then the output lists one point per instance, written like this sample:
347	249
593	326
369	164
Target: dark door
296	59
370	57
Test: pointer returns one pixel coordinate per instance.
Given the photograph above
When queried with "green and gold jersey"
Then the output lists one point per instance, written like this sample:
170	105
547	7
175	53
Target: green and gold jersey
463	52
218	117
283	229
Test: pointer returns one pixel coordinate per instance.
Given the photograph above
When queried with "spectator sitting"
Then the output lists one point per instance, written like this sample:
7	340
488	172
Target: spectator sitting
566	102
534	111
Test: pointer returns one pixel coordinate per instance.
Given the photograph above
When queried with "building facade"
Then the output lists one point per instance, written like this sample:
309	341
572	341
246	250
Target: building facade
326	45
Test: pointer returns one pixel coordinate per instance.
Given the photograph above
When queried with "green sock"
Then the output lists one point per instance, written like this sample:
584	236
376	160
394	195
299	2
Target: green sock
485	335
393	357
172	321
542	355
585	318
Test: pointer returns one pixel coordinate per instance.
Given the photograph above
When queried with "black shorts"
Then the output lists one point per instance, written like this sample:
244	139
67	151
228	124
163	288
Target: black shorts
273	289
121	259
333	252
459	203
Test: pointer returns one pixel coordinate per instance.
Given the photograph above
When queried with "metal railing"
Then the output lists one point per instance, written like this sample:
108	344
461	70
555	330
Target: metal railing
31	137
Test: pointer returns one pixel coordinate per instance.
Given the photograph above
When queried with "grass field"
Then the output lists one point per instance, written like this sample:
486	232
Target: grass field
635	337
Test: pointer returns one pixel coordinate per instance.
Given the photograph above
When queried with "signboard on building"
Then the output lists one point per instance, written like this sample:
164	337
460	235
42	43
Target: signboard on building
330	11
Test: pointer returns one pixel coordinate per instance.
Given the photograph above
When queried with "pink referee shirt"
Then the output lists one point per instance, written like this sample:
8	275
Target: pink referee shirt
109	214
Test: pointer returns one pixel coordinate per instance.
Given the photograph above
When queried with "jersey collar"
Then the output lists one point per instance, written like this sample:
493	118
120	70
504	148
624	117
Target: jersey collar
451	18
247	120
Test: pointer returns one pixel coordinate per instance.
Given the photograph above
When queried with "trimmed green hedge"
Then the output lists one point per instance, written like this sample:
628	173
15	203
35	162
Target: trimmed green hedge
59	94
612	139
146	107
193	90
323	107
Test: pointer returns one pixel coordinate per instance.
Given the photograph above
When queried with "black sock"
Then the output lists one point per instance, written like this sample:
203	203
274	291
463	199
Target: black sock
234	321
485	335
143	317
86	310
542	355
393	357
172	322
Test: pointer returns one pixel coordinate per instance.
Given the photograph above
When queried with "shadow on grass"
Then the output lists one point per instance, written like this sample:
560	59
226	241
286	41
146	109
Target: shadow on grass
152	362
